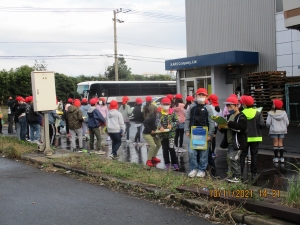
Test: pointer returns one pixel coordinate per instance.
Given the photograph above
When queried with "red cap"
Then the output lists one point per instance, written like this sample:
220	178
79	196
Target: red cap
214	99
125	99
148	99
169	96
22	99
26	99
166	101
77	103
29	98
102	99
70	100
201	91
247	100
178	96
113	104
138	101
232	101
278	103
242	99
93	101
189	98
233	95
206	102
84	100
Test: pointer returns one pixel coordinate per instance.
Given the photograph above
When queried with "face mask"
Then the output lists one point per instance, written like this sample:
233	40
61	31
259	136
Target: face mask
200	100
100	102
165	107
231	111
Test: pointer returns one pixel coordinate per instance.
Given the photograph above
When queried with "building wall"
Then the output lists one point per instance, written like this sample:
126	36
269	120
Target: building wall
288	48
218	26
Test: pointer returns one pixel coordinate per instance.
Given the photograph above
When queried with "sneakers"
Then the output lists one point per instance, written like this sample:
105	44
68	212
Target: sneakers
192	174
275	160
128	141
167	166
149	163
114	156
100	152
140	144
181	150
214	155
74	149
233	180
200	174
175	167
92	151
80	150
108	138
282	160
155	160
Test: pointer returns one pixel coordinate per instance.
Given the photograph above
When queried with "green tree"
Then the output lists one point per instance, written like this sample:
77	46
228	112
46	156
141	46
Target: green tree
65	86
40	66
21	81
123	71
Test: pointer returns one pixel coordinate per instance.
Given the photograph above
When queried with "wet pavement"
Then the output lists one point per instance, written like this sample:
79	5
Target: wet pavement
271	175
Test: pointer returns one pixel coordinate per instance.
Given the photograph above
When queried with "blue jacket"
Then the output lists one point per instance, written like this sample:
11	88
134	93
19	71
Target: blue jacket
95	117
52	116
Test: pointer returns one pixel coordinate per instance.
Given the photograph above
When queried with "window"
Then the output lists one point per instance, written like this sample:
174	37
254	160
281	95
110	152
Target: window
130	89
166	89
279	5
149	89
94	89
110	89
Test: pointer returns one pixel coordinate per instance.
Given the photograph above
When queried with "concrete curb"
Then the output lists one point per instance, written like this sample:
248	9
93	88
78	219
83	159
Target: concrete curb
190	203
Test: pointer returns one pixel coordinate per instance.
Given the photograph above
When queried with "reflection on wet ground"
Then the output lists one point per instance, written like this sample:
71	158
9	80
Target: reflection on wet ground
272	175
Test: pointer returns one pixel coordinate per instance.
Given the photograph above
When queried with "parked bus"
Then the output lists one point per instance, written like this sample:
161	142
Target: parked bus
115	90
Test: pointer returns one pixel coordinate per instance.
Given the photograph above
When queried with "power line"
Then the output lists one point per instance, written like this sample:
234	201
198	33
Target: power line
80	42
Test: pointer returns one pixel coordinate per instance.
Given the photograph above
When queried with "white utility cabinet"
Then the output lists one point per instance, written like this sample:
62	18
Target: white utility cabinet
43	90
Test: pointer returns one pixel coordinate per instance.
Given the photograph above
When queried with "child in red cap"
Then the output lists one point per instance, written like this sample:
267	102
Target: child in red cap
138	119
126	111
180	112
115	127
277	121
167	119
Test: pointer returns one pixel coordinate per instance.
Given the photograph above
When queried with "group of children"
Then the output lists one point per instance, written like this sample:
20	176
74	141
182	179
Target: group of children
165	126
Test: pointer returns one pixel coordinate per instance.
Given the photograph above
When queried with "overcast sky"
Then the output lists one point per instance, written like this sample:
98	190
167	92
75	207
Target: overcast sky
20	24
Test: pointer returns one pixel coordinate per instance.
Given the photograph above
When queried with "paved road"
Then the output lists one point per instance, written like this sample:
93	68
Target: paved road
31	196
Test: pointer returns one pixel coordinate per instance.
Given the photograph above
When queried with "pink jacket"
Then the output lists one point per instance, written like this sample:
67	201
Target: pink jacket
103	110
180	112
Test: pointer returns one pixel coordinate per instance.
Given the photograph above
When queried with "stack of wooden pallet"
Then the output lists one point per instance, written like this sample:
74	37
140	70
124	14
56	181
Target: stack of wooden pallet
266	86
295	79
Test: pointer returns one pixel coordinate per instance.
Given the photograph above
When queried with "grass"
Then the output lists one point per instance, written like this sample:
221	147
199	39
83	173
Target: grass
293	195
11	147
135	172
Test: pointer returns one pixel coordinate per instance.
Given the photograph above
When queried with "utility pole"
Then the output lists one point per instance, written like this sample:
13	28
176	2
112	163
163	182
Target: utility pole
115	45
115	37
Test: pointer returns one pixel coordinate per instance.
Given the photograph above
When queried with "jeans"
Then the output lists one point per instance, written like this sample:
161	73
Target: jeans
254	153
95	132
18	129
84	128
23	128
168	150
116	142
73	137
10	123
234	161
154	143
34	131
128	125
203	158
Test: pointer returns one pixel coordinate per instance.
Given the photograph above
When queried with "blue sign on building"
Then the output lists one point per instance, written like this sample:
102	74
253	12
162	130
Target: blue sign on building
217	59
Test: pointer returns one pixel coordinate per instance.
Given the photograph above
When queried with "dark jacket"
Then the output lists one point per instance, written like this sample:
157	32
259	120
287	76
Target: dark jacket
10	104
74	117
20	110
239	132
137	114
32	117
95	117
255	124
149	124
